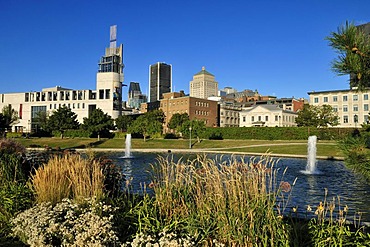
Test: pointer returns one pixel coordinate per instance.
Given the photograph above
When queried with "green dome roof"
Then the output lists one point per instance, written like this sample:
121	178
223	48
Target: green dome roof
204	72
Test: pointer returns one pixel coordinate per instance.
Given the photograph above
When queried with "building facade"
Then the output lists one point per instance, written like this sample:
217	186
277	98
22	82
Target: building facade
229	114
160	81
267	116
135	96
352	106
196	108
203	85
107	96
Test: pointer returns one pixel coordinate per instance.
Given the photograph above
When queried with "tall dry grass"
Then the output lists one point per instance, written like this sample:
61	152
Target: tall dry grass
69	176
233	201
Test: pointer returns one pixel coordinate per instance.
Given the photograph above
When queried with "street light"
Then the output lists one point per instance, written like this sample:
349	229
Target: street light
190	138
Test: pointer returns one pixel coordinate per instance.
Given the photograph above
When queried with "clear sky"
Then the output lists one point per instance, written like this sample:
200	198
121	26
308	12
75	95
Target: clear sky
276	47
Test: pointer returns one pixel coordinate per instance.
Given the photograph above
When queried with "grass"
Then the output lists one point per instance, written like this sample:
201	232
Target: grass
69	176
297	147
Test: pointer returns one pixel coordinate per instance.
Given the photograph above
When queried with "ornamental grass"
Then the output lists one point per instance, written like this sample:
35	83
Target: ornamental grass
232	202
69	176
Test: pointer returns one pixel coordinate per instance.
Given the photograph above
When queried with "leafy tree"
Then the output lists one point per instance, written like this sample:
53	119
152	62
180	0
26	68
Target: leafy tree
353	47
317	116
10	117
156	115
2	123
123	122
177	120
198	128
62	119
147	124
99	123
42	120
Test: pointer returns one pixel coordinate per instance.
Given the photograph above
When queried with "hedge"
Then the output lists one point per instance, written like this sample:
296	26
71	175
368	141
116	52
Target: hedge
276	133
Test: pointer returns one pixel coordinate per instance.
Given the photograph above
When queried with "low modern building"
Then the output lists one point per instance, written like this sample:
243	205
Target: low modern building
196	108
351	105
267	116
107	96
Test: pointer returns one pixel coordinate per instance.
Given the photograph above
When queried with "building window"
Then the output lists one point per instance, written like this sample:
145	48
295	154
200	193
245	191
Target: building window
266	118
335	108
325	99
345	98
345	108
101	94
345	119
335	98
252	118
316	100
243	119
107	93
26	97
355	97
259	118
355	108
366	97
366	118
366	107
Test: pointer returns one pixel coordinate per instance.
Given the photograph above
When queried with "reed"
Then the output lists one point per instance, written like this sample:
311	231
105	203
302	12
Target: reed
232	202
69	176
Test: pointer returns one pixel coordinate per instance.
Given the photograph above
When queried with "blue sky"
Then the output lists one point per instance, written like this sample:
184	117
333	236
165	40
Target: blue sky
276	47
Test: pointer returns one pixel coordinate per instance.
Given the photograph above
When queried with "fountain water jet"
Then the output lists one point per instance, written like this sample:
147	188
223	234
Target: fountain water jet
311	156
128	147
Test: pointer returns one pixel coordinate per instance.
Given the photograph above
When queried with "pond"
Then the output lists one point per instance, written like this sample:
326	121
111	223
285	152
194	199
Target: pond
309	189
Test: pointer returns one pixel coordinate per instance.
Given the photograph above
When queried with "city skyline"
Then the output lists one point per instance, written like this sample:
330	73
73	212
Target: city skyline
278	49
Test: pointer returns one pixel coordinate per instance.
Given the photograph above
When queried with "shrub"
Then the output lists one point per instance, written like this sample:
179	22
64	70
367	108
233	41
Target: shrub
67	224
170	136
231	202
69	176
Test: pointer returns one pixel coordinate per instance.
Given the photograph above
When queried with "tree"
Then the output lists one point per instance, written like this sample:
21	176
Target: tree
2	123
353	47
317	116
198	127
123	122
10	117
177	120
42	120
62	119
148	124
99	123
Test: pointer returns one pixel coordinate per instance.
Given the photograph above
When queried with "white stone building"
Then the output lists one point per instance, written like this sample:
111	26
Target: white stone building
352	106
267	116
107	96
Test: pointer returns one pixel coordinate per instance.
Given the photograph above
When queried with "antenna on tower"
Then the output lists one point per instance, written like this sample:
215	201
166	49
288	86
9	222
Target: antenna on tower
113	36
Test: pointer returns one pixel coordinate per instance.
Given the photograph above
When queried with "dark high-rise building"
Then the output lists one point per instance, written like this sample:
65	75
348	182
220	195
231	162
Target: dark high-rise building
160	81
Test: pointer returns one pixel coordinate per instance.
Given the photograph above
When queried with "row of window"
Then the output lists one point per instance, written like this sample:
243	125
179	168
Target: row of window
344	98
277	118
203	113
355	119
355	108
74	106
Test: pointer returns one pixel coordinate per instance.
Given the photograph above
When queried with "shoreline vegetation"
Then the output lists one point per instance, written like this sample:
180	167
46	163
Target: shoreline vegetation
279	148
200	202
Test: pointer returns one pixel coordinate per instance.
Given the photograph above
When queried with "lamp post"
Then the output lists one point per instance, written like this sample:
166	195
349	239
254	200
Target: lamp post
190	138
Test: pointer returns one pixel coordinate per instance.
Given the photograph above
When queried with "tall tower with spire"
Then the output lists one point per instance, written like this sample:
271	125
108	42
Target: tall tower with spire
110	76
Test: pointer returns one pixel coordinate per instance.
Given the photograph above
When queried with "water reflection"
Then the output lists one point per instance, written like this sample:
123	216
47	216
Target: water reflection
309	189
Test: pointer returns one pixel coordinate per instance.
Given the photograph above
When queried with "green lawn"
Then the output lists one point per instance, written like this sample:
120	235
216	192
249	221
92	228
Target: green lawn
298	147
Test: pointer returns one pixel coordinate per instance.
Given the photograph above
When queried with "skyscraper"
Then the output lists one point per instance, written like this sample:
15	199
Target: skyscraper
135	96
160	81
203	85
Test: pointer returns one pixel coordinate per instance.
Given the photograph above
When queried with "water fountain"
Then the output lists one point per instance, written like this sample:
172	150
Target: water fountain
311	156
128	147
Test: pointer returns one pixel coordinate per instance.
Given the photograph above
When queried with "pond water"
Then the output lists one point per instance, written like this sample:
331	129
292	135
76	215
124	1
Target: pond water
352	190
